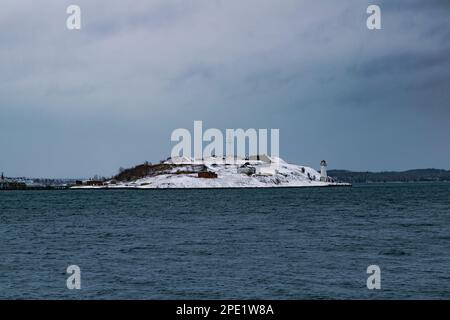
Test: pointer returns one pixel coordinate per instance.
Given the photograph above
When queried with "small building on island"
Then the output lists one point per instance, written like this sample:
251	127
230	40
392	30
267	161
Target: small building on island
207	175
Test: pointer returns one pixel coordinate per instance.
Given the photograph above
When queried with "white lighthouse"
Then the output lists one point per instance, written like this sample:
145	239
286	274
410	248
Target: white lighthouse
323	171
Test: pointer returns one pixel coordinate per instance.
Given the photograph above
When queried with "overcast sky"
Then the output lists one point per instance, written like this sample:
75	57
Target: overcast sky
79	103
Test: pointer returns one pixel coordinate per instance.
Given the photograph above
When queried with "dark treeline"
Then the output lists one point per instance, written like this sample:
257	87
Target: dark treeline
391	176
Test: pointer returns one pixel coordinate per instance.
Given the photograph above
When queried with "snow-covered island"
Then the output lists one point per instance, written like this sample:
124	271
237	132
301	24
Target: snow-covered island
184	173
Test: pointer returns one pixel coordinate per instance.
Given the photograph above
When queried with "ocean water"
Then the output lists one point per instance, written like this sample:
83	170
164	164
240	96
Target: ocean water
227	244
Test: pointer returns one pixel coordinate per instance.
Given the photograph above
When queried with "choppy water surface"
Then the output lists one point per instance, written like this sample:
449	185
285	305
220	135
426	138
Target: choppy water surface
221	244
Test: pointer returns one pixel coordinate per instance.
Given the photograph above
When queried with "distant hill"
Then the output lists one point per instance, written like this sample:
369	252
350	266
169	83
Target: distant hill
391	176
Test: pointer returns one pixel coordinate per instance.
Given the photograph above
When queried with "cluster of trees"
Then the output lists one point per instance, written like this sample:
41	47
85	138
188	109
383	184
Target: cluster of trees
141	171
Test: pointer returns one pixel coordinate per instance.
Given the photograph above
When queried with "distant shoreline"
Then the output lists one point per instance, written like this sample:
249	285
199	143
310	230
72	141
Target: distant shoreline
416	175
342	176
359	184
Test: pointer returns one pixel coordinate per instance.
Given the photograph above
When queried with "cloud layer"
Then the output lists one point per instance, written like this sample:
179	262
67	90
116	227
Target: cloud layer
79	103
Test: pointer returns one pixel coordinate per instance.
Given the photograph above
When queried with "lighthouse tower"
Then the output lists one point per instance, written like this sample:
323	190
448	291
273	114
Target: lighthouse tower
323	171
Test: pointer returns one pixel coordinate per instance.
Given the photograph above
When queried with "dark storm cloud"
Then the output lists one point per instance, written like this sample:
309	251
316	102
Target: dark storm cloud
404	63
414	5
